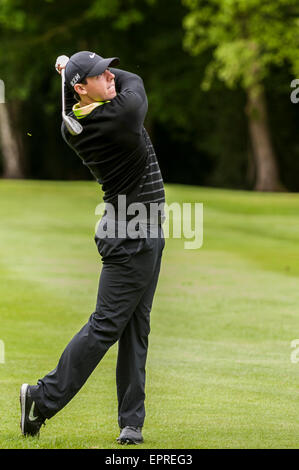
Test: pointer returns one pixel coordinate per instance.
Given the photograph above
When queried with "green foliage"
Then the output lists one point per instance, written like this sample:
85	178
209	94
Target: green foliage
246	37
185	123
122	13
12	17
33	33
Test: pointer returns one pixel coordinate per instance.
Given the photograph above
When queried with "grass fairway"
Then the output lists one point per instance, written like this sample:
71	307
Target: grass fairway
219	373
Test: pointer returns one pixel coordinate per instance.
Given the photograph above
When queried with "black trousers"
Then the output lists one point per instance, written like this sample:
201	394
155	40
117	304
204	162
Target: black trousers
126	290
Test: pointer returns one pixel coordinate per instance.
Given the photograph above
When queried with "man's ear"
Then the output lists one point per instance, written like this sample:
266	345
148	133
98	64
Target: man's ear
80	89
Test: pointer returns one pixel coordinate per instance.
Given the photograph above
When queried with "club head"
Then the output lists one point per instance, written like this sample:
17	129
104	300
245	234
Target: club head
73	126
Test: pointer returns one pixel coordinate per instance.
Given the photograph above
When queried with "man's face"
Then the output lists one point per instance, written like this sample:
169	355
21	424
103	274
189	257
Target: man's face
98	88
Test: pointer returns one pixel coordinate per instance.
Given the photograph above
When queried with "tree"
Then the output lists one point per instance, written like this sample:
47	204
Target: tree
11	19
12	167
246	38
33	34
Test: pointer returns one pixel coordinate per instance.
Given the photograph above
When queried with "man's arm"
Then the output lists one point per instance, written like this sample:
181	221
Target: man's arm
131	99
127	82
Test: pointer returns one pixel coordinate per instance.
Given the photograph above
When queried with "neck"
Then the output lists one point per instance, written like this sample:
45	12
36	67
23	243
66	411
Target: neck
85	102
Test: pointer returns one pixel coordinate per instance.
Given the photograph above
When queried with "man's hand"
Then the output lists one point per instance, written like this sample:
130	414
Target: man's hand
61	62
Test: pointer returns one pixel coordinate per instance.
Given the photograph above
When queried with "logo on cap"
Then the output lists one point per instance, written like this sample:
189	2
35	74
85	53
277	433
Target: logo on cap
75	79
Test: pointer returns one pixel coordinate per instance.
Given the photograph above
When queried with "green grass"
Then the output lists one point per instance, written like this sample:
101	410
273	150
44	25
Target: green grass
219	373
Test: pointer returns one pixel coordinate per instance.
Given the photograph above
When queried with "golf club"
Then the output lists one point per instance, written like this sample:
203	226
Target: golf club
73	126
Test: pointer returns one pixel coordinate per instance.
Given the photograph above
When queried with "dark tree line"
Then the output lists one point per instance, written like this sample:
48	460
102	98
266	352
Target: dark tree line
218	83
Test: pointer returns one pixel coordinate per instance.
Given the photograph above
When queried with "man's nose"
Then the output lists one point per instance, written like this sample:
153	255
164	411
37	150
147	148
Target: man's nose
110	74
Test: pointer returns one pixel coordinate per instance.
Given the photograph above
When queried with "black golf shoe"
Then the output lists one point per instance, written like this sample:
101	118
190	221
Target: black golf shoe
130	435
31	418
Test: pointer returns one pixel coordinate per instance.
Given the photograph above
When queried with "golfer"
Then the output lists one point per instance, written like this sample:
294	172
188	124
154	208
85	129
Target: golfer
111	106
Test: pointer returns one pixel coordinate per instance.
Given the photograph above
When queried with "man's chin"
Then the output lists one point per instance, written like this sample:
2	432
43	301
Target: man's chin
109	96
113	95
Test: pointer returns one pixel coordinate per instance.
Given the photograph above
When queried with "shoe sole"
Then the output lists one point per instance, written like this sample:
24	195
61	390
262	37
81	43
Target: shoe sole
23	393
128	442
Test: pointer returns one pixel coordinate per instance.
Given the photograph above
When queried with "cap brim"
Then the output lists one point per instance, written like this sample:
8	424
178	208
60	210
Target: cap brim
102	65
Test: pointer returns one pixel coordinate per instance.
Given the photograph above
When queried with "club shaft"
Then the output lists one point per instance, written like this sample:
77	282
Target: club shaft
62	89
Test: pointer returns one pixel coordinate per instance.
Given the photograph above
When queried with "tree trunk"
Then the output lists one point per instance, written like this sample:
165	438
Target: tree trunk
266	170
9	148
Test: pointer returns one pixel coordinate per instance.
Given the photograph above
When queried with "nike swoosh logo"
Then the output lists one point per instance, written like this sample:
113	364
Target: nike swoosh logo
31	415
92	55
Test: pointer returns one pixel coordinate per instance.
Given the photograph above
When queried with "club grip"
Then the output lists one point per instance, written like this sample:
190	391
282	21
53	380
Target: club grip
61	61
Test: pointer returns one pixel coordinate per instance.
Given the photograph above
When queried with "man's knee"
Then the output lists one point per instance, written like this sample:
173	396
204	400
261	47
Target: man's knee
106	327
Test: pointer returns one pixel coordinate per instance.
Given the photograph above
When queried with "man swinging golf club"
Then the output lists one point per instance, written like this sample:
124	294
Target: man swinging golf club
104	126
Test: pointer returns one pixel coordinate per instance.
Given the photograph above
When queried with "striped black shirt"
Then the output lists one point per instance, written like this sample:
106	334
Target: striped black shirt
115	146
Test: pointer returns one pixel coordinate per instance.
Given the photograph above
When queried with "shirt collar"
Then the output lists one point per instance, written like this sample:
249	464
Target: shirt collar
81	112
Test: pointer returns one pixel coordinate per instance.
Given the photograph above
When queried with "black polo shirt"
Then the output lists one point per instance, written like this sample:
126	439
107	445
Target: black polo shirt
115	146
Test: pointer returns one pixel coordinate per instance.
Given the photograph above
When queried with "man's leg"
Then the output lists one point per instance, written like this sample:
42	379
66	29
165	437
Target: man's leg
132	354
121	287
